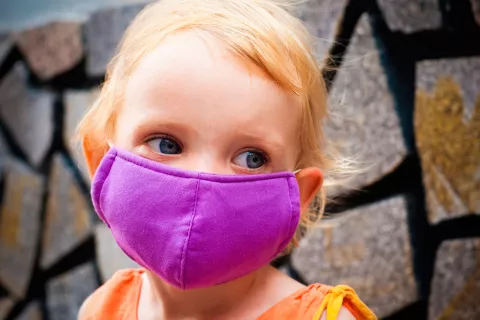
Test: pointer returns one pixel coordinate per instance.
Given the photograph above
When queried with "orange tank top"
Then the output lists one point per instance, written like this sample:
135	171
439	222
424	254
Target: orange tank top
118	299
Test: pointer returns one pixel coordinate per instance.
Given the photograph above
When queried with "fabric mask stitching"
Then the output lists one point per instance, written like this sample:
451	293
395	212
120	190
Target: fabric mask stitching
187	238
291	210
114	157
206	176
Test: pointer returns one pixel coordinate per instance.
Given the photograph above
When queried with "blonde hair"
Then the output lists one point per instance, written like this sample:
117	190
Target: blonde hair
261	31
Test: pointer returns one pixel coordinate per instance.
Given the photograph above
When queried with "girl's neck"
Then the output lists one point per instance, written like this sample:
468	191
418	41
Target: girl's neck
168	302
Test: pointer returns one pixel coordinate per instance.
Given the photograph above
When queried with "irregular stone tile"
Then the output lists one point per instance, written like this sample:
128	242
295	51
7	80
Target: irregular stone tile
476	10
6	305
410	16
66	293
6	44
76	105
363	122
27	113
447	132
103	32
20	226
68	218
322	18
456	281
110	257
32	312
51	49
368	249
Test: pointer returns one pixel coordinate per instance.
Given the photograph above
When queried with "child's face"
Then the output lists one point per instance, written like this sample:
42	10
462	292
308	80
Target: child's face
193	105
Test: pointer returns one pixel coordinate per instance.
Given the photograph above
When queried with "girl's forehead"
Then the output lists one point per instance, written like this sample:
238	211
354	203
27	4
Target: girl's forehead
192	79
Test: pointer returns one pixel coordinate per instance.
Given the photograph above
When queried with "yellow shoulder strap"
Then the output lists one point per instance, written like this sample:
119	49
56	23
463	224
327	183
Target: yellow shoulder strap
343	295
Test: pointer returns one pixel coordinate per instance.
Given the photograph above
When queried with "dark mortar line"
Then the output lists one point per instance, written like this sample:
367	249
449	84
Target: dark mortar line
9	61
73	79
458	228
437	44
3	291
96	266
390	185
415	310
345	29
78	256
36	287
399	67
457	14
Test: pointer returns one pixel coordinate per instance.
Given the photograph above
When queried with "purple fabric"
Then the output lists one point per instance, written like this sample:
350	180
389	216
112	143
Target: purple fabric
194	229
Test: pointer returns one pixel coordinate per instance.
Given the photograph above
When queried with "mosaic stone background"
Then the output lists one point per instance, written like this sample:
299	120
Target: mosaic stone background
404	81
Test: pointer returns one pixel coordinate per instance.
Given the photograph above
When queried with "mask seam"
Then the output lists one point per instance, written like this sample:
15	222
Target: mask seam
102	189
187	239
201	175
291	211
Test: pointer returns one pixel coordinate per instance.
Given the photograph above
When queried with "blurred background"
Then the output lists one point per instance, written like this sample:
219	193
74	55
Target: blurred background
404	81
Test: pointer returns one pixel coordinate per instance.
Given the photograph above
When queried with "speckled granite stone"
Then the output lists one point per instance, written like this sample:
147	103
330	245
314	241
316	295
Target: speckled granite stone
109	256
66	293
447	130
19	226
76	105
456	281
51	49
363	122
68	219
103	32
368	249
27	113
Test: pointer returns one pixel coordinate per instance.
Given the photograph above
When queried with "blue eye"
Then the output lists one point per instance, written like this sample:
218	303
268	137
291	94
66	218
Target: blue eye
165	145
250	160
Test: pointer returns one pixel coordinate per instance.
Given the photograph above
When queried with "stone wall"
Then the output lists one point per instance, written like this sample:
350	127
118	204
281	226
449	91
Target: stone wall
404	80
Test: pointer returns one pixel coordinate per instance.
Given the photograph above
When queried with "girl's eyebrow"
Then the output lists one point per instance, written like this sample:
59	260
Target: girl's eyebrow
273	144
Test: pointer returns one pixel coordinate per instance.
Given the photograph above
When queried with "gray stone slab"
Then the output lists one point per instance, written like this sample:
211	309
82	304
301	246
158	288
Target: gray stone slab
103	32
109	256
27	113
6	305
368	249
6	44
68	218
363	123
20	226
51	49
76	105
31	312
322	18
447	132
410	16
66	293
456	281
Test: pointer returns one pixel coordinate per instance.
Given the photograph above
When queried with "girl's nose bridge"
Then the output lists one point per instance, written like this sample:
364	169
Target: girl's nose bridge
208	162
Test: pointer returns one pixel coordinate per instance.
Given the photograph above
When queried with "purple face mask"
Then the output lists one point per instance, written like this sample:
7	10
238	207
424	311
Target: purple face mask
194	229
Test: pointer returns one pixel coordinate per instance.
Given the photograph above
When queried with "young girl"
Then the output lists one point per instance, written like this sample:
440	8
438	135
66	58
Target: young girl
205	148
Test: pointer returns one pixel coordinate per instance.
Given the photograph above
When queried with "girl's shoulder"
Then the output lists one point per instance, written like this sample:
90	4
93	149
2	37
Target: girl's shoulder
320	302
115	299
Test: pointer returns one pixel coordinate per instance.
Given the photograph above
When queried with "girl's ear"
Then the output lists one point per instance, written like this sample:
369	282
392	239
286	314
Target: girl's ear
310	181
93	153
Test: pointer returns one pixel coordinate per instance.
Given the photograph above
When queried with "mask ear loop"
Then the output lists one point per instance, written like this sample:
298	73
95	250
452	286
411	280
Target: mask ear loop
297	171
